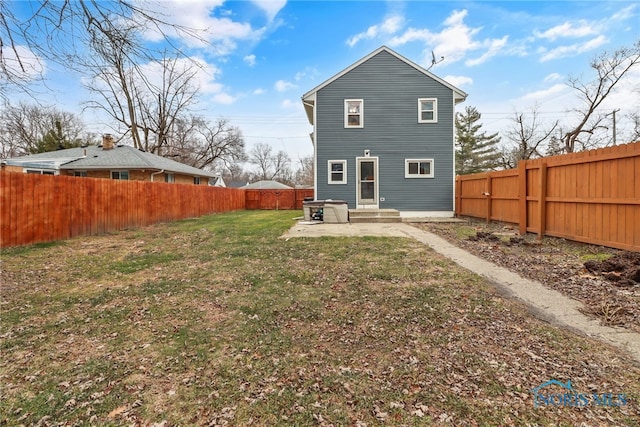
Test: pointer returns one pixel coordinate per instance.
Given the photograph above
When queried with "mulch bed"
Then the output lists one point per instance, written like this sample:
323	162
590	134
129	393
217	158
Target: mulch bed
609	288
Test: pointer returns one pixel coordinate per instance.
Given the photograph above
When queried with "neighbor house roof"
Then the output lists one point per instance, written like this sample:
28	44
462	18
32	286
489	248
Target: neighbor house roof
93	157
267	185
309	98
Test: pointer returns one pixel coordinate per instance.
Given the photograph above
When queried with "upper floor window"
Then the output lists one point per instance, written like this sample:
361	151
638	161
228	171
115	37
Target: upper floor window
120	175
418	168
353	113
427	110
337	172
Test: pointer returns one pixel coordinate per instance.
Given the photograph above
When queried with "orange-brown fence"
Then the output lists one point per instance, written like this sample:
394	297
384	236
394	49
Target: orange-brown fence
591	196
41	208
277	199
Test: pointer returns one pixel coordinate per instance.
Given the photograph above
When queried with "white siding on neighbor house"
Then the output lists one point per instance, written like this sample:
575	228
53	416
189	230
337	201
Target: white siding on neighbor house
390	89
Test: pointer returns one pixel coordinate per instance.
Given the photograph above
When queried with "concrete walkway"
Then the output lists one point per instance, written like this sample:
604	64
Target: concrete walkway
545	303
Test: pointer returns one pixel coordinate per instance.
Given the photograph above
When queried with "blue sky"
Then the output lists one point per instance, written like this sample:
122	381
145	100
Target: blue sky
507	55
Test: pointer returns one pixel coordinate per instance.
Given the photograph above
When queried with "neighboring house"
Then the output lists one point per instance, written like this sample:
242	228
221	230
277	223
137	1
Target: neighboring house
237	184
267	185
384	136
110	161
218	182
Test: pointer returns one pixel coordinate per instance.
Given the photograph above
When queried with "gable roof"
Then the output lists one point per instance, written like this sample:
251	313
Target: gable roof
309	98
94	157
267	185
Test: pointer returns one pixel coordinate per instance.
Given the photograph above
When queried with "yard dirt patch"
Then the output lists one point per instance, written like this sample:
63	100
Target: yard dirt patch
605	280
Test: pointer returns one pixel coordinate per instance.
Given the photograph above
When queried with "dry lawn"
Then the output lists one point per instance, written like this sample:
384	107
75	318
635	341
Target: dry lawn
216	321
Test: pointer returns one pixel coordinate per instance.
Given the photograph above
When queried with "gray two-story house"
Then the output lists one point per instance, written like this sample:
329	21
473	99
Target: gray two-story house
384	136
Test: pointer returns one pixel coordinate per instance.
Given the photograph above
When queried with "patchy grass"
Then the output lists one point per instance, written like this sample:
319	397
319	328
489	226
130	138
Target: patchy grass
216	321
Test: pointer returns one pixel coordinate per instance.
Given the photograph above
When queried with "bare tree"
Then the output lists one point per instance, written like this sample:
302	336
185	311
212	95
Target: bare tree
270	165
146	101
610	69
24	128
527	136
304	173
634	119
206	145
59	32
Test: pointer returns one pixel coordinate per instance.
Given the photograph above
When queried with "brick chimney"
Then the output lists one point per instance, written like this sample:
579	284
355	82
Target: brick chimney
107	141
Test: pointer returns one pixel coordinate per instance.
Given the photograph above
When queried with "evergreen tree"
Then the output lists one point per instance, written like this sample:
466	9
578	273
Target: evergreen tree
475	151
54	140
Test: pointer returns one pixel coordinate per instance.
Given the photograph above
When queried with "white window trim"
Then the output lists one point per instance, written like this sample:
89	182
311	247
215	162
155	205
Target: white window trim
435	110
418	175
35	171
346	114
344	172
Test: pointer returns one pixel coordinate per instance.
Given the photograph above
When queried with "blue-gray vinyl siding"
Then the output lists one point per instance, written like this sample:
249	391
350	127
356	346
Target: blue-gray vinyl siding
390	89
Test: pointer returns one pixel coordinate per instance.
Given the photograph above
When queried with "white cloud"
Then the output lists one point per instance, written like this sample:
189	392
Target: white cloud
459	81
288	103
454	42
389	26
198	15
572	50
283	85
545	94
250	60
553	77
495	47
26	64
224	98
567	29
270	7
258	91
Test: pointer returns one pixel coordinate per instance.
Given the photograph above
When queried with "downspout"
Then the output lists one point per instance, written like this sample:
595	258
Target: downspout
156	173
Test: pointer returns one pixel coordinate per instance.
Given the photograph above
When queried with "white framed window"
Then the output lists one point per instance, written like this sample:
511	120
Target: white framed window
40	172
120	175
337	172
418	168
353	113
80	173
196	180
169	177
427	110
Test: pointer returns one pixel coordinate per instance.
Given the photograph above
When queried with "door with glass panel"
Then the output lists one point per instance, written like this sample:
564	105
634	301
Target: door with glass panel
367	185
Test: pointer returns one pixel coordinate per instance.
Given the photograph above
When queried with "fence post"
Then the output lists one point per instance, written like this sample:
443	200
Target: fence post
542	203
522	196
458	196
487	193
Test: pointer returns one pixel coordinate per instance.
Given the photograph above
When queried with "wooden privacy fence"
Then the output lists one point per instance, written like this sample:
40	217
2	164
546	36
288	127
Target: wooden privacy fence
41	208
277	199
591	196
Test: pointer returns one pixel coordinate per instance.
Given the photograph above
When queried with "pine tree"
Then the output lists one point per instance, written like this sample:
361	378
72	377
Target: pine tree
475	151
54	140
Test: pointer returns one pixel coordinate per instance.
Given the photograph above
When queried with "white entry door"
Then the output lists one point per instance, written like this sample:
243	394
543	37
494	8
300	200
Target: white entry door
367	185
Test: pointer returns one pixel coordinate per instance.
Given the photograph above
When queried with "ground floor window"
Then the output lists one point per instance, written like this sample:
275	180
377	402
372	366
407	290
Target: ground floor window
120	175
337	171
169	177
80	173
196	180
418	168
40	172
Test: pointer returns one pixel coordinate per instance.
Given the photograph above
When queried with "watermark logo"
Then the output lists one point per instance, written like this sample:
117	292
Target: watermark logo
571	398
